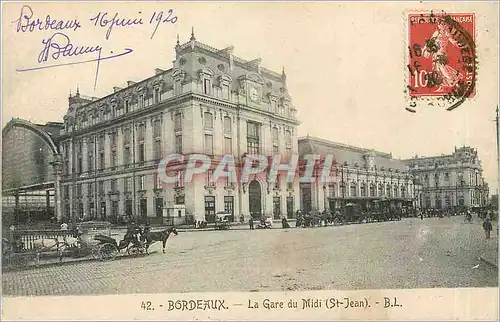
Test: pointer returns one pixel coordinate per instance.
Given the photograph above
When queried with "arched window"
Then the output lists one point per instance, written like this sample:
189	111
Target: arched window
363	189
353	189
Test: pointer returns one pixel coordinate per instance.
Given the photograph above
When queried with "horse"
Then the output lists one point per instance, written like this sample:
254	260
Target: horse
53	245
156	236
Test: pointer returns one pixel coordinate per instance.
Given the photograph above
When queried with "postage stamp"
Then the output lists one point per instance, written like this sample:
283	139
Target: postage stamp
441	59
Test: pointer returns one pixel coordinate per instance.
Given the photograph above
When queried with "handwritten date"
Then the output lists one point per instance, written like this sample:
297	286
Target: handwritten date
105	20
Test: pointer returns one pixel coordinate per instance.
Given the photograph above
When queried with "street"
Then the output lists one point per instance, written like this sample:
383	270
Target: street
435	252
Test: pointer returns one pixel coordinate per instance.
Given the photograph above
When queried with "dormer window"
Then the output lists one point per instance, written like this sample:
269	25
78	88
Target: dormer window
157	95
207	85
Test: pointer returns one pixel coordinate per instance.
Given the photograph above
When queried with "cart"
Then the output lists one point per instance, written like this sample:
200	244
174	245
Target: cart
222	221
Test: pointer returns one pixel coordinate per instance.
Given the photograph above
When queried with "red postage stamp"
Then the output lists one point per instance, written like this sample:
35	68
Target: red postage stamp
442	61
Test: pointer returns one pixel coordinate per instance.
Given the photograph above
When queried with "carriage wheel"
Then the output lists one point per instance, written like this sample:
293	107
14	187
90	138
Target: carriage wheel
107	252
18	262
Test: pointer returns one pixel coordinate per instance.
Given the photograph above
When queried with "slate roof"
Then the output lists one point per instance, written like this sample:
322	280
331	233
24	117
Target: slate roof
348	153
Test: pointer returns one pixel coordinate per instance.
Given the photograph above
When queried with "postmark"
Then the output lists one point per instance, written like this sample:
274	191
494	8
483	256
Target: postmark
441	60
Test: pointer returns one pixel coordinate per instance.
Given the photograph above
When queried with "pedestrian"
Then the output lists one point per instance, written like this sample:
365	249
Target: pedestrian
487	227
250	223
421	215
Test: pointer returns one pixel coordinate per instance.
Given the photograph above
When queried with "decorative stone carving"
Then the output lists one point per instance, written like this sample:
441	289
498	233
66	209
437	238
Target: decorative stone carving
182	61
202	60
221	67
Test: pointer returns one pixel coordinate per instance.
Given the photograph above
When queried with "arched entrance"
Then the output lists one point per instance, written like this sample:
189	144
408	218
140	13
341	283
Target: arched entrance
255	199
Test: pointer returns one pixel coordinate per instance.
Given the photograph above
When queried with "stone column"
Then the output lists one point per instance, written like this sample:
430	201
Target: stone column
57	167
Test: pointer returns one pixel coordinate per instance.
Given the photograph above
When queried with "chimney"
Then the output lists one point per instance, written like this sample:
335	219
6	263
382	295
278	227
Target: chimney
116	89
130	83
158	71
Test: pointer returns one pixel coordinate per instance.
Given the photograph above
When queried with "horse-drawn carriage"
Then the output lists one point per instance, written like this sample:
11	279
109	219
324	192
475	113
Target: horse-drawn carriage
222	221
90	239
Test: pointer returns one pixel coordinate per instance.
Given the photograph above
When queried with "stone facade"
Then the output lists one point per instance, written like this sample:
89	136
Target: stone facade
451	180
209	102
369	178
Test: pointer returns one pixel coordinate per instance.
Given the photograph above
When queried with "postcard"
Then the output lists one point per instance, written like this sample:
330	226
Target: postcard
250	160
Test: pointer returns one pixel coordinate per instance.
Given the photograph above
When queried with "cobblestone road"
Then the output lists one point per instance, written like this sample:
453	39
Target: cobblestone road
405	254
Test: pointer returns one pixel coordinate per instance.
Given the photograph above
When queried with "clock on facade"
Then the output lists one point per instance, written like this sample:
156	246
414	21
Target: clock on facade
254	94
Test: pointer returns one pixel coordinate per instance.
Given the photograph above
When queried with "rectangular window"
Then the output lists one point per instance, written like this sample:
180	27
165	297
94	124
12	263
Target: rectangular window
208	120
253	138
126	136
178	144
227	124
180	179
157	149
228	145
101	188
141	131
141	152
112	139
209	180
126	157
142	183
157	95
206	86
90	190
178	122
288	138
210	209
157	181
209	144
113	185
157	129
127	185
101	161
229	206
90	161
127	106
79	190
113	158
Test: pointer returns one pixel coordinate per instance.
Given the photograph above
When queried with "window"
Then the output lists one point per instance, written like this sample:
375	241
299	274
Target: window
140	132
209	179
157	95
79	190
210	209
396	191
229	206
389	190
342	189
113	185
228	145
288	138
227	124
277	183
127	106
225	91
126	136
159	207
208	120
101	188
276	208
127	184
101	160
380	190
90	160
363	190
446	177
180	179
206	86
79	151
178	144
253	138
209	144
126	157
157	149
436	179
112	139
90	190
353	190
157	181
141	152
141	183
178	122
275	141
113	158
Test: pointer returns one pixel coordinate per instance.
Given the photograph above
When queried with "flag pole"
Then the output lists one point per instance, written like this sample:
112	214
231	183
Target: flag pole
498	160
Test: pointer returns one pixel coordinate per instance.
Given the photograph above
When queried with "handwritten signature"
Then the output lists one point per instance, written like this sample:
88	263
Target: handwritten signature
59	45
102	20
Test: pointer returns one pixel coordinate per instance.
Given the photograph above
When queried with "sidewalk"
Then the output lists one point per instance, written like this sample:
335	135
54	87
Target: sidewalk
490	252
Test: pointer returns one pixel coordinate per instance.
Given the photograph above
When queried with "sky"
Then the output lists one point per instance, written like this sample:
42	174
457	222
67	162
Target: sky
345	66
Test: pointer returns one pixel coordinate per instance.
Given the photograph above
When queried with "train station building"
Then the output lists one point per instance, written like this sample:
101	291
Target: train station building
365	177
